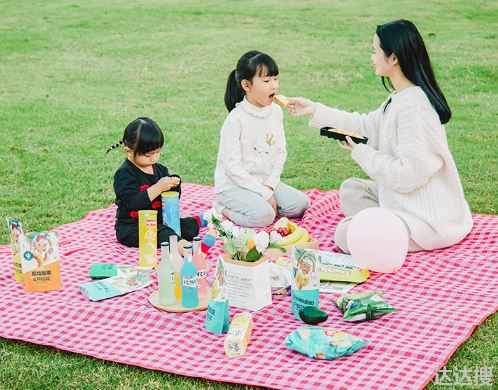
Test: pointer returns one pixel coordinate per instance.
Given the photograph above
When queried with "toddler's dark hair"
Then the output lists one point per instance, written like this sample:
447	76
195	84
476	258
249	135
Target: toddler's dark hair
250	64
143	135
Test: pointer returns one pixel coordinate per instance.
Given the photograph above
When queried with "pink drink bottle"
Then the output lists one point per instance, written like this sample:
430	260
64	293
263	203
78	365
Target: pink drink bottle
201	265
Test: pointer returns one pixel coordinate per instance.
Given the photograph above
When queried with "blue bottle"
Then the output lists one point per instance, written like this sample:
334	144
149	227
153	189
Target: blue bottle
188	274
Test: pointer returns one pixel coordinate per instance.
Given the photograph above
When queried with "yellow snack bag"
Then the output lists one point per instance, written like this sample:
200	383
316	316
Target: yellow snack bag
16	242
238	335
41	262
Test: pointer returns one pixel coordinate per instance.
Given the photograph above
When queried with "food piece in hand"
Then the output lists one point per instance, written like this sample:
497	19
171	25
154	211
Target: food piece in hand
281	99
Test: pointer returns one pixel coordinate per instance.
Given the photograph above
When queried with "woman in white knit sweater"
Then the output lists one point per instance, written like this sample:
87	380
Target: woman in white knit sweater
407	156
252	149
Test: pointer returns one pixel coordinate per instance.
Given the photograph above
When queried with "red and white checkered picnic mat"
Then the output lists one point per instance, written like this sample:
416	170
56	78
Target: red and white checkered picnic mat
440	297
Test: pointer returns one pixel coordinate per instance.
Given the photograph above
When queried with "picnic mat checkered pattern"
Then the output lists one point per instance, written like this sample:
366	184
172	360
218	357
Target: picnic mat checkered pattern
440	297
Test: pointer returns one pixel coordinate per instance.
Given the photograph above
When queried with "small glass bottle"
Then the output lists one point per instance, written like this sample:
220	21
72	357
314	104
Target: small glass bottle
177	262
166	277
190	295
201	265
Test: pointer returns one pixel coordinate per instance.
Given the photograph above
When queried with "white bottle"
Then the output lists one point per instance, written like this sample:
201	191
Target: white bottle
166	277
177	262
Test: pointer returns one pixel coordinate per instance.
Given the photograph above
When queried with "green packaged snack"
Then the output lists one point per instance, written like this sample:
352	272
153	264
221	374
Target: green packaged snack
103	270
322	342
343	273
313	315
363	306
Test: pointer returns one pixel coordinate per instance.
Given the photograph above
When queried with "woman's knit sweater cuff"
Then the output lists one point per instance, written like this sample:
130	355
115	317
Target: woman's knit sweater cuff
362	154
321	117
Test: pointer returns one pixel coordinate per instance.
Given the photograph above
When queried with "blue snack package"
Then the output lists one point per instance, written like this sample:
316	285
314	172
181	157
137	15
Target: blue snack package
115	286
217	316
323	342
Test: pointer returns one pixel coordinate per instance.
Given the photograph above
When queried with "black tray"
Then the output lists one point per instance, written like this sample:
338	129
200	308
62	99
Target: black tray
330	133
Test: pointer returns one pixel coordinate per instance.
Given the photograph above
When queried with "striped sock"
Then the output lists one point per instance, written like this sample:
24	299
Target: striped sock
200	220
208	241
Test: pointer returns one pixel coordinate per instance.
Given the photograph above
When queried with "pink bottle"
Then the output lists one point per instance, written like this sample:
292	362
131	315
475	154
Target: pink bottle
201	265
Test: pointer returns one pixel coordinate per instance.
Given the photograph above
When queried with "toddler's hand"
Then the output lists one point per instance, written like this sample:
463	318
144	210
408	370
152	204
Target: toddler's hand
167	182
301	106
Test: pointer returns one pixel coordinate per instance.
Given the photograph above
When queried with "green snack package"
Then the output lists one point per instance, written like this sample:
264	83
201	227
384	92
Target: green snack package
343	273
363	306
322	342
115	286
102	270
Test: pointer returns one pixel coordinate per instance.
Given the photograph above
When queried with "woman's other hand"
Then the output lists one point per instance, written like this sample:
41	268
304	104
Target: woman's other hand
349	145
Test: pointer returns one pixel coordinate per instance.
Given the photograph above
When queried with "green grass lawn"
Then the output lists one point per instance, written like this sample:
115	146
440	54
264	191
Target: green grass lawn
74	73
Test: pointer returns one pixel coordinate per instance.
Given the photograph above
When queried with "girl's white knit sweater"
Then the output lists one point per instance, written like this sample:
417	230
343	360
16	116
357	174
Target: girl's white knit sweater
407	155
252	150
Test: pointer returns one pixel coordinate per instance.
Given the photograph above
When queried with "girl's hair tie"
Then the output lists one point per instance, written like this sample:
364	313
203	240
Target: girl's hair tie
114	146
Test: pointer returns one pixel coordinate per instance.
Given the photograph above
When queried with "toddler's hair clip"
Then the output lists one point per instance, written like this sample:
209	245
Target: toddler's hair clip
114	146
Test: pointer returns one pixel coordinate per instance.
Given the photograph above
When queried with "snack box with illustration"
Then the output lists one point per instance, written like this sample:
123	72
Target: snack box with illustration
340	135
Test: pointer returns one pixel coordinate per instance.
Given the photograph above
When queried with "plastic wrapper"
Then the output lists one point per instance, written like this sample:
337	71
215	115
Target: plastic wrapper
323	342
363	306
117	285
103	270
280	278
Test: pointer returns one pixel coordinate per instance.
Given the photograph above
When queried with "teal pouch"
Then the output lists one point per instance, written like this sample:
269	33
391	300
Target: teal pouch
217	316
302	298
322	342
102	271
115	286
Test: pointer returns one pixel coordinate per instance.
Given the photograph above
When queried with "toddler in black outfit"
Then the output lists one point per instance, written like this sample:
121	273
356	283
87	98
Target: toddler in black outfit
139	182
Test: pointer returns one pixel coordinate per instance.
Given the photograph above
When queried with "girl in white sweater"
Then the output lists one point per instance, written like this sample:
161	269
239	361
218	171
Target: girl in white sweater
407	155
252	149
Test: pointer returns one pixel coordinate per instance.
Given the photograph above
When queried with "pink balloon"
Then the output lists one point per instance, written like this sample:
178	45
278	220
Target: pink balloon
378	240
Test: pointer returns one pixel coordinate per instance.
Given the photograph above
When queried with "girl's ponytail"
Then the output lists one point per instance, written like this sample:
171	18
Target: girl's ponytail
234	92
114	146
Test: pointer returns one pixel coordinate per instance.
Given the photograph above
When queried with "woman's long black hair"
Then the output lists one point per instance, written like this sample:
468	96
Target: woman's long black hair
250	64
402	38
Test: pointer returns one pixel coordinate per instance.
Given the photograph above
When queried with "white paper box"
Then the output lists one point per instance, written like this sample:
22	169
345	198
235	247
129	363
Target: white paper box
248	284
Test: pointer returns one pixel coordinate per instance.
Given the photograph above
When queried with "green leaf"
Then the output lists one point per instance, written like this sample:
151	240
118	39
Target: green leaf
253	255
230	248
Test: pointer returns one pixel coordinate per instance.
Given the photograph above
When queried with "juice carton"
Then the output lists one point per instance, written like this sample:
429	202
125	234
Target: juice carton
147	238
218	311
238	335
305	280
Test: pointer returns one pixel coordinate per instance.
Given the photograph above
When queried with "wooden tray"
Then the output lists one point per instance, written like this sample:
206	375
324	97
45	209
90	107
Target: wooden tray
177	307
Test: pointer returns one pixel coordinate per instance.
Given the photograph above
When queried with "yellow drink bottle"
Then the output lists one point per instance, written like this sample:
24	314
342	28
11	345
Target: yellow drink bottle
147	238
177	262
